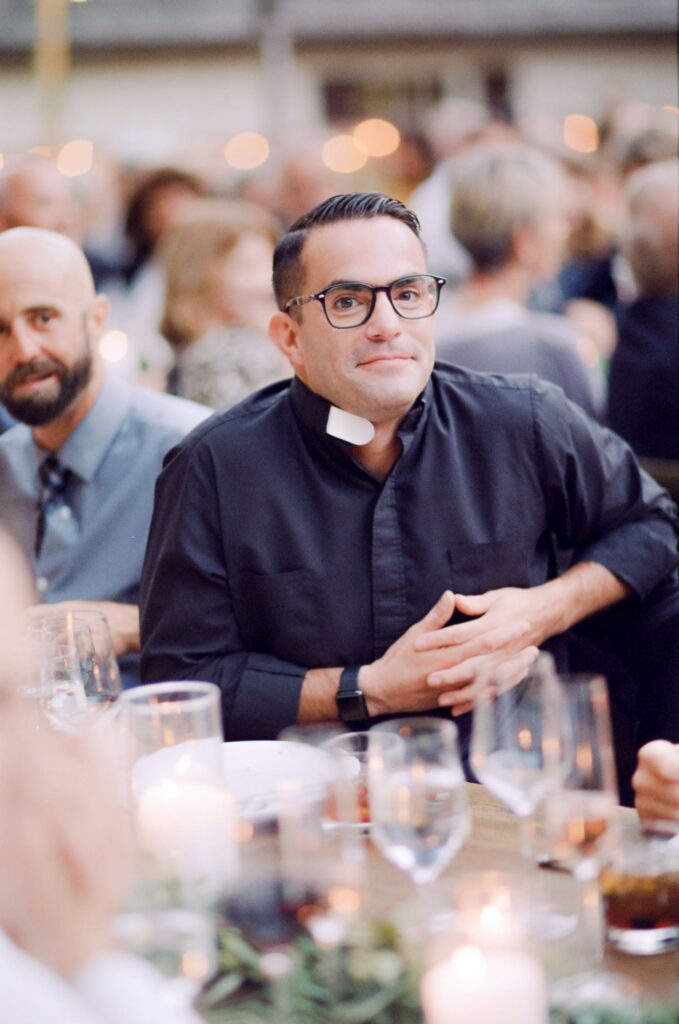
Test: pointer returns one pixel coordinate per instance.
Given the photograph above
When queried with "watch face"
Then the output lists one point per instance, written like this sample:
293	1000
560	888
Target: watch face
352	707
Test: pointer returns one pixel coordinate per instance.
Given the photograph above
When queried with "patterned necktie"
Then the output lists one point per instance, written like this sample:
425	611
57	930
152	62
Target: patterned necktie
53	479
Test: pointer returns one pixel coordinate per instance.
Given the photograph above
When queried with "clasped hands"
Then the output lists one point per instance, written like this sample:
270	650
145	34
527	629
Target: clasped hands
435	665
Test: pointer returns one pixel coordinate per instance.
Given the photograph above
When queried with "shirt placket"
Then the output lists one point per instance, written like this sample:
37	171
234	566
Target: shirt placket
389	598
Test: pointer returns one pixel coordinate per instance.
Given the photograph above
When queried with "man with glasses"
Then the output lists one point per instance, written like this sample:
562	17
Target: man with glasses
354	543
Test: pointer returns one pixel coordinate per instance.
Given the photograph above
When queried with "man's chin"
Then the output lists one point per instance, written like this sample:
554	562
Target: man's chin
34	412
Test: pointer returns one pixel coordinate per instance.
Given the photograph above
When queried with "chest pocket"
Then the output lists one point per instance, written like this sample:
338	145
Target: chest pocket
476	568
278	613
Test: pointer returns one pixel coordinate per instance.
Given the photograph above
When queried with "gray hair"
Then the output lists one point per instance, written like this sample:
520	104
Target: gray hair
650	237
497	189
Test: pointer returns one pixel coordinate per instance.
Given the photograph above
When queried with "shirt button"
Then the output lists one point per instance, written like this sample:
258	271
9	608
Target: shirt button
65	512
41	584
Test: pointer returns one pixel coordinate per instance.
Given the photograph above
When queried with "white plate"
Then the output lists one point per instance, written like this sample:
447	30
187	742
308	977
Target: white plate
252	769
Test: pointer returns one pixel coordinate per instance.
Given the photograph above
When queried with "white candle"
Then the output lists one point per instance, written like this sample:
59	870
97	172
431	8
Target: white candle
485	986
189	826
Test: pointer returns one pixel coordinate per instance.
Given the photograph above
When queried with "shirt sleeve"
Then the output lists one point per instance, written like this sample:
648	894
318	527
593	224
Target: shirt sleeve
600	502
121	989
189	627
30	992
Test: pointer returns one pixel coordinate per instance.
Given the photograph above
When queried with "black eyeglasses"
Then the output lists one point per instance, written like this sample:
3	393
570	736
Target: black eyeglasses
350	304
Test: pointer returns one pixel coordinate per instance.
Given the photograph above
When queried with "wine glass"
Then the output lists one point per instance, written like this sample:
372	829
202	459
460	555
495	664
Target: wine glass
520	741
79	676
418	800
581	817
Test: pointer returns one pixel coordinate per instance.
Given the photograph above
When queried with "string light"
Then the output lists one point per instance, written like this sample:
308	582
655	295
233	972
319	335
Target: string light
75	158
377	137
113	346
247	150
342	155
581	133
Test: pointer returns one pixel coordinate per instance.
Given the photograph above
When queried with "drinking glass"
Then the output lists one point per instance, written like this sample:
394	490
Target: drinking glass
418	801
581	818
79	682
182	815
519	745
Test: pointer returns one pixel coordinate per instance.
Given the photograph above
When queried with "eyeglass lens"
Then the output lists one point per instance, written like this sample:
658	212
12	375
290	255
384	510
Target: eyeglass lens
348	305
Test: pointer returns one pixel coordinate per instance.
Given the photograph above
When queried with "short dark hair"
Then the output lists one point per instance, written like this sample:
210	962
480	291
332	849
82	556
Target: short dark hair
288	275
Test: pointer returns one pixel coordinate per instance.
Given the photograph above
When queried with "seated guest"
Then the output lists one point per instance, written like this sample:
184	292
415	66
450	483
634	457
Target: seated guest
509	212
355	542
656	783
63	863
218	303
34	194
77	471
644	382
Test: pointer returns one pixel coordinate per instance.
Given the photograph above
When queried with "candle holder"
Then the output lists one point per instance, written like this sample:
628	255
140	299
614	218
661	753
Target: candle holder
481	964
182	816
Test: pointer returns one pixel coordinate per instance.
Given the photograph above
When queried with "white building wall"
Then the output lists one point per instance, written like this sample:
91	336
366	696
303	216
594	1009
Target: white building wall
159	108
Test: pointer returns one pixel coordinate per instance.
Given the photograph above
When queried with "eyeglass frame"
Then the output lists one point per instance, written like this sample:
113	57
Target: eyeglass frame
302	300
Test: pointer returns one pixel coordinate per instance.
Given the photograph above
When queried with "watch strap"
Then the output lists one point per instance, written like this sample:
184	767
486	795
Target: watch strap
351	705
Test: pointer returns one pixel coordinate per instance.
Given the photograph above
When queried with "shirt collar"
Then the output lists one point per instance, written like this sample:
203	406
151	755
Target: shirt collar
313	411
84	449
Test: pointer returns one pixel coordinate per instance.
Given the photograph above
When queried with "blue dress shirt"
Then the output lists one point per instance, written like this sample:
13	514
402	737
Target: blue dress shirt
95	538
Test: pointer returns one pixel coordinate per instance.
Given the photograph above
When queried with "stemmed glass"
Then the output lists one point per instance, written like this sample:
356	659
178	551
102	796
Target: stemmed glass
418	801
77	668
581	818
520	741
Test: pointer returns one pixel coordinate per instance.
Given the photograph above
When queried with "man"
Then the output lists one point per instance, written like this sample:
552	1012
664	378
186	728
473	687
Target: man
310	546
508	210
644	386
77	471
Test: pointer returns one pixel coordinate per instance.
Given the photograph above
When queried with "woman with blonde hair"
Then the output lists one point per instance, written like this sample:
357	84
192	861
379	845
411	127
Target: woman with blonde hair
219	301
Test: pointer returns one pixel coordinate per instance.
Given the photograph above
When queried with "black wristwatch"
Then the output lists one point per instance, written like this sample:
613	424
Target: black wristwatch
351	706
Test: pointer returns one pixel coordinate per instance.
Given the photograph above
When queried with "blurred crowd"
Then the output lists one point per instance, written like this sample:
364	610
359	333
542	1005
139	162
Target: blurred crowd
557	262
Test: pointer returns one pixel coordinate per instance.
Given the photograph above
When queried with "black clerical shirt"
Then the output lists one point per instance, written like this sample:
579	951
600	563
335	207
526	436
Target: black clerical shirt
273	551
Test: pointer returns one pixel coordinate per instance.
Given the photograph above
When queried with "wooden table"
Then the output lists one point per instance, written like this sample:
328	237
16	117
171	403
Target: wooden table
494	845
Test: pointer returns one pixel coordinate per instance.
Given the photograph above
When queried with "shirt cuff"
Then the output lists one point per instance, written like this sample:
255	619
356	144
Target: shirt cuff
267	699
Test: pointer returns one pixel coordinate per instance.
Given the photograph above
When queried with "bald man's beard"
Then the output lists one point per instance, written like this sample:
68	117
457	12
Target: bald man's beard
36	410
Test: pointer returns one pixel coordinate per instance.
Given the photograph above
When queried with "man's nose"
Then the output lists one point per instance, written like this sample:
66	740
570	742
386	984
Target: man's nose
384	321
23	342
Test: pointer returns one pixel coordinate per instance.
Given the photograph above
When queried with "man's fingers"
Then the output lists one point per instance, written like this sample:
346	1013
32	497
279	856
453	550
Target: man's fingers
475	604
488	643
657	810
437	616
661	758
489	638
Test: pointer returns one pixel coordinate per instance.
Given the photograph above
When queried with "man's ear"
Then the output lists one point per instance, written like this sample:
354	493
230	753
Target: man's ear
284	332
98	313
525	246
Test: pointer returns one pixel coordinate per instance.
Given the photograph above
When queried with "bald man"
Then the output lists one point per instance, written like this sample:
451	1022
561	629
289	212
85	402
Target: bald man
77	472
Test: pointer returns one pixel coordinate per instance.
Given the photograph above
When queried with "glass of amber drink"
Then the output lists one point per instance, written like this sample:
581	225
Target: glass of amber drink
640	891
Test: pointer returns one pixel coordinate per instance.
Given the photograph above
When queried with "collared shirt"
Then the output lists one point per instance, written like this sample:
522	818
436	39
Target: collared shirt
272	550
94	540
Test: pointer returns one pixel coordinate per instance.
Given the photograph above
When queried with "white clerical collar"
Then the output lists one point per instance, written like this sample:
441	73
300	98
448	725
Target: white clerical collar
348	427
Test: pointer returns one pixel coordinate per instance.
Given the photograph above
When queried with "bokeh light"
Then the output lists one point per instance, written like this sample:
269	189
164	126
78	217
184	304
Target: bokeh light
75	158
247	150
581	133
113	346
45	151
377	137
2	161
342	155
